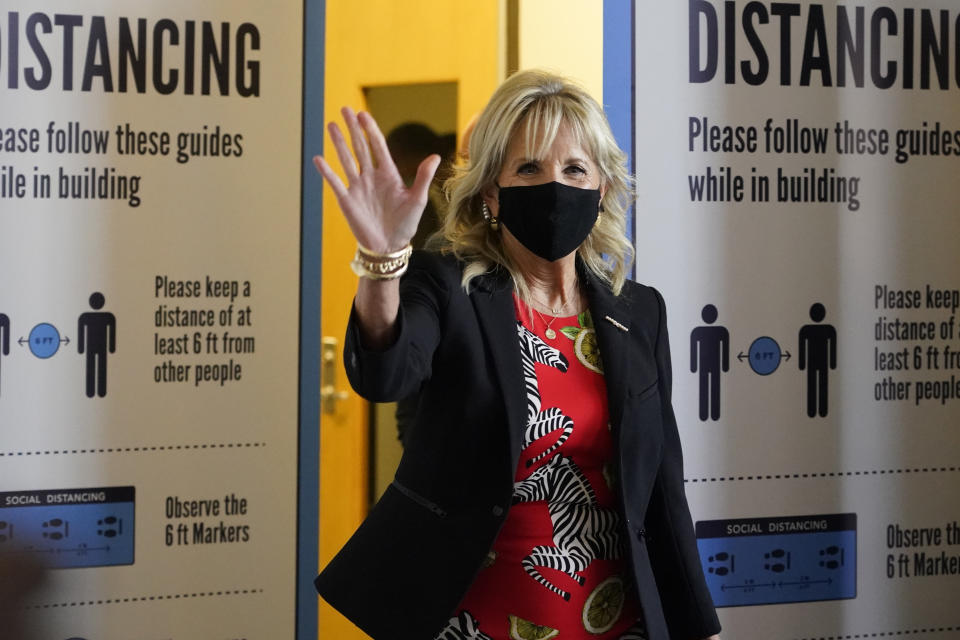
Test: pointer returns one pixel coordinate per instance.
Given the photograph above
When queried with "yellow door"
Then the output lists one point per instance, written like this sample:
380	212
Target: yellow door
371	43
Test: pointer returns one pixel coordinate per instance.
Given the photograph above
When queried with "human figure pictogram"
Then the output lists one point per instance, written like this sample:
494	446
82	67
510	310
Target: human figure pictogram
97	335
818	354
709	355
4	336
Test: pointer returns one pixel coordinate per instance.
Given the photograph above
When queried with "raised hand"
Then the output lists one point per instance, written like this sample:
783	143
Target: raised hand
381	211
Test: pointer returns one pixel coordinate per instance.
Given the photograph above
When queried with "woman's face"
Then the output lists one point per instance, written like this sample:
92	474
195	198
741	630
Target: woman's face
565	161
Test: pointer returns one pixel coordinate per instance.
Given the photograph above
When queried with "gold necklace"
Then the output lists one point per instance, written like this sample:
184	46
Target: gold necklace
550	333
557	310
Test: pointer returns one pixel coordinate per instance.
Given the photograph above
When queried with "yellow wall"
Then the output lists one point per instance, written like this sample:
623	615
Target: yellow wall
563	36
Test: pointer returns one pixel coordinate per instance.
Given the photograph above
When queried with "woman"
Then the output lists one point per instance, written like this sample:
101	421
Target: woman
540	492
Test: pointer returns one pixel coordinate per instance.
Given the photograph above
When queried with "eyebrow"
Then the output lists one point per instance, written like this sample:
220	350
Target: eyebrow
570	160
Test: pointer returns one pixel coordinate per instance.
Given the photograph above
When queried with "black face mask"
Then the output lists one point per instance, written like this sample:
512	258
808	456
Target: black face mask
551	219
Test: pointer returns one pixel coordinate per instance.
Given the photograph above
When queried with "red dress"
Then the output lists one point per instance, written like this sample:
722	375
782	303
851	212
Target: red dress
557	567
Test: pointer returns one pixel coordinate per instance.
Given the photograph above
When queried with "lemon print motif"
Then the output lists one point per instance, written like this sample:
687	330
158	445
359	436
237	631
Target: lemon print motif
521	629
587	351
602	609
585	342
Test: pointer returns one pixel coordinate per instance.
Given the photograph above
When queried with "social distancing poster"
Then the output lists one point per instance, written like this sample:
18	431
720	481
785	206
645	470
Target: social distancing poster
149	310
796	166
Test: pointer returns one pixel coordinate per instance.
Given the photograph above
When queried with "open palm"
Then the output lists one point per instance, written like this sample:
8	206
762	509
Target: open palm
381	211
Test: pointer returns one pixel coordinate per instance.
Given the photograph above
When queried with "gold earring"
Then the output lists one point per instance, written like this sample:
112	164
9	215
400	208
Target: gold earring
490	220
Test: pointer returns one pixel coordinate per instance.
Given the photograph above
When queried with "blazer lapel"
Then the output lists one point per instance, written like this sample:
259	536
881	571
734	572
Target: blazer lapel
493	301
612	325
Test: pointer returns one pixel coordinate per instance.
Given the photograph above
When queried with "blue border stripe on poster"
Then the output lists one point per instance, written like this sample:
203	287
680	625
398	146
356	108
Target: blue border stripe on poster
618	79
314	13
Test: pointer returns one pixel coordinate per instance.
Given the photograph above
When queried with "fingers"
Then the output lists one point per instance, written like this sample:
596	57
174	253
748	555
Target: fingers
360	148
339	189
343	196
425	172
381	152
343	152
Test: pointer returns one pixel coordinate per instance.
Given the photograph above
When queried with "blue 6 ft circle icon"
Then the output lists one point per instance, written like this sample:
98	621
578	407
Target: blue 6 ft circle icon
44	340
765	355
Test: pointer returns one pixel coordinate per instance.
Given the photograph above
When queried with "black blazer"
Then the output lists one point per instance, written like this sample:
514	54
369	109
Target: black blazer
407	567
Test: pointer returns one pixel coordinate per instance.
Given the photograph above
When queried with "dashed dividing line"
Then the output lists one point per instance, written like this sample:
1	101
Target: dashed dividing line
146	449
174	596
885	634
830	474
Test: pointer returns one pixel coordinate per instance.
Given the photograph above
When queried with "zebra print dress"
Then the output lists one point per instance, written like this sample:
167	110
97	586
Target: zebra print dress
557	568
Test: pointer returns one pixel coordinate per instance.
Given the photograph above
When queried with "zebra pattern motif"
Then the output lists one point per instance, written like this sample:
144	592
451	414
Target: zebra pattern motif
462	627
540	424
582	530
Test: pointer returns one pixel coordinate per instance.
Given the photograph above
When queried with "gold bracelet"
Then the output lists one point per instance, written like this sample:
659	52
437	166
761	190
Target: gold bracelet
380	266
373	255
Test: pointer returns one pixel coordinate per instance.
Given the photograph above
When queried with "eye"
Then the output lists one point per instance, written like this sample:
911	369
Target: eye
527	168
575	169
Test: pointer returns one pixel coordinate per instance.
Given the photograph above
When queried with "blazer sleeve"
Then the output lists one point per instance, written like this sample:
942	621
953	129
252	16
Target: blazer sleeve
398	370
671	541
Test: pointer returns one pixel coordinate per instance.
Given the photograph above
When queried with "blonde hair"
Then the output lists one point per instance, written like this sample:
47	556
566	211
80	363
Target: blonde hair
539	102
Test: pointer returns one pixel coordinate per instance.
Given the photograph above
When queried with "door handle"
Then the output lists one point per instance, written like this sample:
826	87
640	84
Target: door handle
329	396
